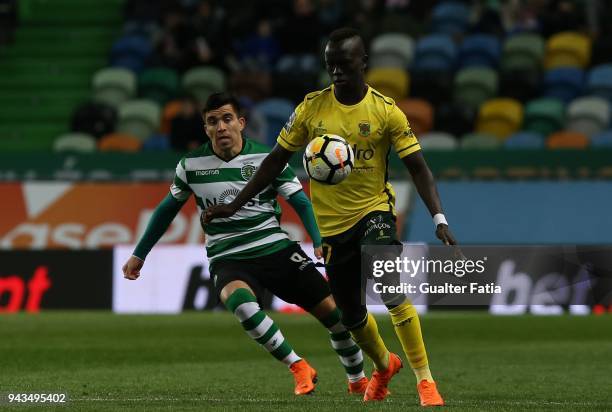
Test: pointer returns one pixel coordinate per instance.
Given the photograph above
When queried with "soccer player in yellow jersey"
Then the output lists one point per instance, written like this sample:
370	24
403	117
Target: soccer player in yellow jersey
346	214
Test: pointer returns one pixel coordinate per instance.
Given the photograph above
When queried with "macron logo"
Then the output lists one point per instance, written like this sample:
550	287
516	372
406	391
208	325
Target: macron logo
207	172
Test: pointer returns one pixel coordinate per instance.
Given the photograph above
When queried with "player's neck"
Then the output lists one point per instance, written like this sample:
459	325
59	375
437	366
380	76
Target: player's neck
351	97
228	153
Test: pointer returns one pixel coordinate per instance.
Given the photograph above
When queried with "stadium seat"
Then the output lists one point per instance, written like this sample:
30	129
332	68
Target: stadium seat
544	116
588	115
480	141
324	80
474	85
75	142
456	119
567	49
435	87
94	118
567	140
437	141
157	142
391	82
602	140
203	81
435	53
500	117
169	112
131	52
564	83
479	50
159	84
519	84
523	51
139	118
119	142
599	82
419	113
114	85
524	140
277	112
391	50
449	17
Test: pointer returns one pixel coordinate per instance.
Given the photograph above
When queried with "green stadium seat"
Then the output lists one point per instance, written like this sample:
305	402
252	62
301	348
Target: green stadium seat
588	115
480	141
114	85
140	118
544	116
159	84
523	52
438	141
474	85
500	117
75	142
203	81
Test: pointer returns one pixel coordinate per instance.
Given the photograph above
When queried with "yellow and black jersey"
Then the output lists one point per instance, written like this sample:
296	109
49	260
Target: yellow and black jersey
371	127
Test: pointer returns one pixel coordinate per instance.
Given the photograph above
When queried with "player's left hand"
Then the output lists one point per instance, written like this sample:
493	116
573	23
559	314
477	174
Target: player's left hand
444	234
318	252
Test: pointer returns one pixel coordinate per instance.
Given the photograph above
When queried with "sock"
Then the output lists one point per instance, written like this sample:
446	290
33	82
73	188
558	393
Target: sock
349	353
408	330
259	326
369	340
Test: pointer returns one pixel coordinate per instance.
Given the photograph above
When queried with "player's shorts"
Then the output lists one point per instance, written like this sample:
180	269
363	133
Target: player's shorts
342	254
289	274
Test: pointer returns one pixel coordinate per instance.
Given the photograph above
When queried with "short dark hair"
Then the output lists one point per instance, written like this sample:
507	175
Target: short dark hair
343	33
217	100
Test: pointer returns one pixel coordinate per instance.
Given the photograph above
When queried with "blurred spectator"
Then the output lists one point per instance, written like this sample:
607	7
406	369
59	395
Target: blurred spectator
212	43
187	127
260	50
8	20
176	43
301	39
562	15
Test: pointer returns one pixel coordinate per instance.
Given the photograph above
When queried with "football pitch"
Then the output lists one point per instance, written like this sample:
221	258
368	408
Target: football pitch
204	361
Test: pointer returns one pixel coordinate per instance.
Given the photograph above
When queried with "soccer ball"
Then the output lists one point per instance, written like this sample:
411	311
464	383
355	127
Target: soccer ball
328	159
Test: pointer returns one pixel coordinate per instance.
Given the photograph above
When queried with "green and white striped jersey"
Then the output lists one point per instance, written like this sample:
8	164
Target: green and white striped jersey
254	230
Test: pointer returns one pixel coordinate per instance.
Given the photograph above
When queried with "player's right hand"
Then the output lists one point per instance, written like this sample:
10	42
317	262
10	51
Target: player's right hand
131	269
217	211
318	252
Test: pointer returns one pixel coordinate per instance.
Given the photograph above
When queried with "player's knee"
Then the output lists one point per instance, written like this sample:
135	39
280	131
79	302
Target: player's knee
354	319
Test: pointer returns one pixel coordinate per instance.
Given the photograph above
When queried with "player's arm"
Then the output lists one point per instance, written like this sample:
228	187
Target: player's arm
408	149
301	204
426	186
162	217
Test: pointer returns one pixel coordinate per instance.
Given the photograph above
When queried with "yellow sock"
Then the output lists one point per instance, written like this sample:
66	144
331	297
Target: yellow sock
408	330
369	340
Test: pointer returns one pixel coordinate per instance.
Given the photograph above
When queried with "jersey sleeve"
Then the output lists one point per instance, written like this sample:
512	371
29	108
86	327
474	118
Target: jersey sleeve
179	188
287	183
294	135
403	139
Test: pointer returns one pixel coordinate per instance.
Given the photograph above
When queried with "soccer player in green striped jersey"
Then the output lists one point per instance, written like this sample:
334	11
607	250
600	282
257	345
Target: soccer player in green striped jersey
249	251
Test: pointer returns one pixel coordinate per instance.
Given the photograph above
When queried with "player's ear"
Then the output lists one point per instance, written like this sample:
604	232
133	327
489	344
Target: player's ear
364	60
242	122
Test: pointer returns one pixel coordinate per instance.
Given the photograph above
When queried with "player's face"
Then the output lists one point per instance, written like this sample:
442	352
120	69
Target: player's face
224	128
345	63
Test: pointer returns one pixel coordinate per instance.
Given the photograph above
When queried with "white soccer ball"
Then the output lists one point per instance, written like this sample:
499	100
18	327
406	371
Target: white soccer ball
328	159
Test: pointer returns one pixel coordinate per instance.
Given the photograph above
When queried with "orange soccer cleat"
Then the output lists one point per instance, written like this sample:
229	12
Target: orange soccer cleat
359	386
377	388
428	392
305	377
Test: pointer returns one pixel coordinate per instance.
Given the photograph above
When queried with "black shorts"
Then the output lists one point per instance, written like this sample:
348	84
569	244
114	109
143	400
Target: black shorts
343	260
289	274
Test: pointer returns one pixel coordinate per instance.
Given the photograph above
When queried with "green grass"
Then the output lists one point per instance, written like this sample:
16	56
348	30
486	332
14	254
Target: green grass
198	361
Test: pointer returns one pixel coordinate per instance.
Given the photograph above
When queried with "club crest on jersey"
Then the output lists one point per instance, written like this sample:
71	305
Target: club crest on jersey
247	171
364	128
